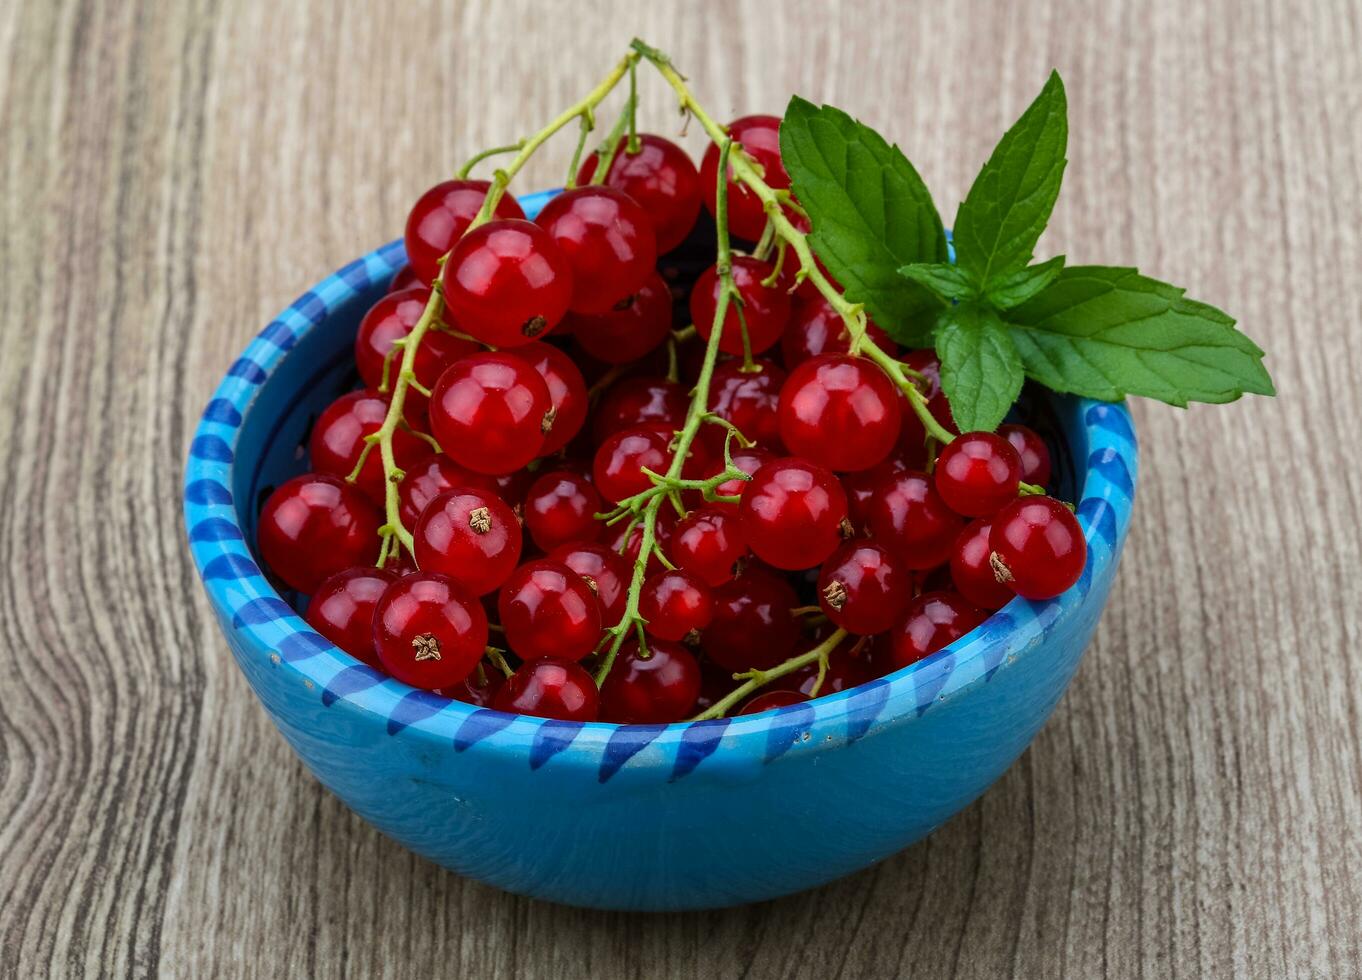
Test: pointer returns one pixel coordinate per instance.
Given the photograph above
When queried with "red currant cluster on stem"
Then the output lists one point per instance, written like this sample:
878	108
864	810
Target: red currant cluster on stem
629	551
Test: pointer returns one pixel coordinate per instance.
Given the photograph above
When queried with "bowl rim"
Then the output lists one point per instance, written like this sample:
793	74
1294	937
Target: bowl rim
249	606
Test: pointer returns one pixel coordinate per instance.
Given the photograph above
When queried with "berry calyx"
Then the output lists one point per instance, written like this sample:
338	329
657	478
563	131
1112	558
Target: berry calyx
660	176
972	573
765	309
633	326
793	513
342	609
675	604
491	412
658	689
759	136
1038	549
314	526
840	411
908	516
431	476
561	508
507	283
440	217
428	633
547	610
470	535
550	688
977	473
708	544
567	393
608	240
932	620
863	588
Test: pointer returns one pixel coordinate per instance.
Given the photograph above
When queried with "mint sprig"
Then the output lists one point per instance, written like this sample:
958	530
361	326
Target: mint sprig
993	317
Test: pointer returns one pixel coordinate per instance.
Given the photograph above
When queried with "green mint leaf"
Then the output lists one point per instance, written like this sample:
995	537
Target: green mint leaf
871	213
1110	332
1015	289
946	281
1001	219
981	372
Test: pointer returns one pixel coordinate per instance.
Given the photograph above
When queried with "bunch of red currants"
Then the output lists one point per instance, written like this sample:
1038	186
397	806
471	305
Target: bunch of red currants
496	466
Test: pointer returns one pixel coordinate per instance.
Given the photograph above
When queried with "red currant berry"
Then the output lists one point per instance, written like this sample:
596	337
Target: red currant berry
479	692
470	535
770	700
403	278
561	508
656	689
427	478
793	512
608	240
618	467
933	620
662	179
977	473
507	283
708	543
971	573
840	411
674	603
631	328
765	309
861	486
749	461
605	572
342	609
749	399
640	401
391	318
550	688
338	440
816	328
491	412
547	609
314	526
753	625
1035	455
440	217
759	136
908	516
913	436
427	632
863	588
1038	547
567	393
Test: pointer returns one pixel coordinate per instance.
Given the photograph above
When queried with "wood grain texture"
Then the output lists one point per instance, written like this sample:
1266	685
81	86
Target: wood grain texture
171	174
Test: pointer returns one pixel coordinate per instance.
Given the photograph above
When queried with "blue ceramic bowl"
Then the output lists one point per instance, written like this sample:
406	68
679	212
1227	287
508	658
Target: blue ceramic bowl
679	816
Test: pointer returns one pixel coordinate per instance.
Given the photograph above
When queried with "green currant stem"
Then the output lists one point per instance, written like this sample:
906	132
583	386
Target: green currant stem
1030	490
757	679
467	168
588	124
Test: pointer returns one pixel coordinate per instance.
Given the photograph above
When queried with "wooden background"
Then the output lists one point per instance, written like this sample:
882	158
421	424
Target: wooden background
172	174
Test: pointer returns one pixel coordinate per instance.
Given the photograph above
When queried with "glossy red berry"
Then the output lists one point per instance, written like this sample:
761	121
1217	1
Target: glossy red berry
749	461
674	603
631	328
342	609
658	689
933	620
753	624
567	393
1035	455
759	136
548	610
640	401
770	700
391	318
662	179
908	516
749	399
440	217
861	486
403	278
550	688
971	572
431	476
708	543
507	283
561	508
337	441
863	587
1038	547
479	692
608	240
605	572
816	328
618	467
977	473
428	632
314	526
793	512
840	411
765	309
491	412
470	535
